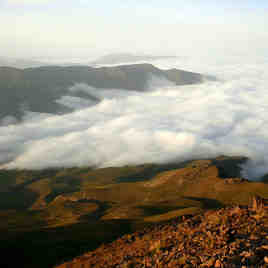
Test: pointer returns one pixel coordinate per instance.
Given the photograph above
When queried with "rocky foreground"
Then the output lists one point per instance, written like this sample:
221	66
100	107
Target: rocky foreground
228	237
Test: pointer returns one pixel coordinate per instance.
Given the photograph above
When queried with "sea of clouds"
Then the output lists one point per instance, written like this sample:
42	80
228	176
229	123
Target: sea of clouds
166	123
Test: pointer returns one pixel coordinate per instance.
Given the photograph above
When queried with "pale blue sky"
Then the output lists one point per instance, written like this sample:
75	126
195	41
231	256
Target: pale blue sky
84	28
118	8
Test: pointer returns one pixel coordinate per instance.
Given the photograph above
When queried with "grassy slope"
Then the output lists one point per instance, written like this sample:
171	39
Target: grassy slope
74	210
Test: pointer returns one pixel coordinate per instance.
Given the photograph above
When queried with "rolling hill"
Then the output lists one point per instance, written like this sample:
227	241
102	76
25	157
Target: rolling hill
38	89
55	215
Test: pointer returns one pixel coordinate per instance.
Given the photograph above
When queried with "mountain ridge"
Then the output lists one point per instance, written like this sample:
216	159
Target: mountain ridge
38	89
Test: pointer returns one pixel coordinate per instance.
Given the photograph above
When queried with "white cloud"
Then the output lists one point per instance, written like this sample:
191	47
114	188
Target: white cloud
224	117
75	102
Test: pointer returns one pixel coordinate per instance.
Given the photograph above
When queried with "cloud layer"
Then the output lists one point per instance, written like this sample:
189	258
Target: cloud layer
165	124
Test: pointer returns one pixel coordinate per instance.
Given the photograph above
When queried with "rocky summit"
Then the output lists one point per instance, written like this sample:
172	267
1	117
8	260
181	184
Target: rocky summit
229	237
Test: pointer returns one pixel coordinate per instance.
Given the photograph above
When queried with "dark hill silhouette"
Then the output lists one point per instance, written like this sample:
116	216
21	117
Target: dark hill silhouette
37	89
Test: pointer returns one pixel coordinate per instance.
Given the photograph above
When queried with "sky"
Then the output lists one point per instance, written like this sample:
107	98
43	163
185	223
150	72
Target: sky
57	29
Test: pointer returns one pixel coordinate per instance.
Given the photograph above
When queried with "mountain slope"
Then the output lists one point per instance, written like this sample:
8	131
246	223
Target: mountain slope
62	213
229	237
37	89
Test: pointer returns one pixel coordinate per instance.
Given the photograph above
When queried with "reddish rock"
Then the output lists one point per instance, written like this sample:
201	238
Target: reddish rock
229	237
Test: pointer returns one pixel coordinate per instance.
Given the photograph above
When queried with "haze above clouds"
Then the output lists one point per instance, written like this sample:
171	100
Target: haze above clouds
82	30
26	2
